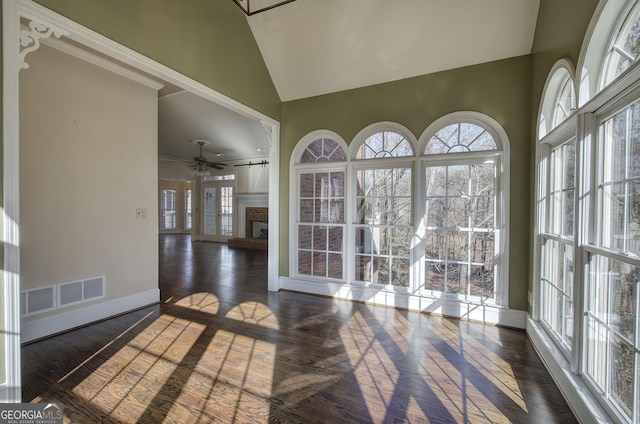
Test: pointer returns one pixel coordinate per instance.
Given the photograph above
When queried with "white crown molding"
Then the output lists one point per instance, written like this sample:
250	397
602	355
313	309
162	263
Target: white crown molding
102	63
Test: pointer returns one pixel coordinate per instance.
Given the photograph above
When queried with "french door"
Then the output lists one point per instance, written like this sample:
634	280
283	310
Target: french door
217	214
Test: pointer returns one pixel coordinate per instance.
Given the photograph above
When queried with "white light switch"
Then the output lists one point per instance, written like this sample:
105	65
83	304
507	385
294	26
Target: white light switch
141	213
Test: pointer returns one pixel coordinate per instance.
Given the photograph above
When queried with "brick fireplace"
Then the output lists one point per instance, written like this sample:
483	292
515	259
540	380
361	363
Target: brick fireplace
256	228
258	215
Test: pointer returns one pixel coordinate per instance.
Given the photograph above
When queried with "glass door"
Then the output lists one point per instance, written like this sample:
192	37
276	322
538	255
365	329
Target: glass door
218	212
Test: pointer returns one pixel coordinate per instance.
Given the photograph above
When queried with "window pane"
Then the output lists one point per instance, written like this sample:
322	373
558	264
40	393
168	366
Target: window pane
618	193
304	263
323	204
460	247
384	144
612	321
323	150
625	47
168	211
304	236
460	138
383	219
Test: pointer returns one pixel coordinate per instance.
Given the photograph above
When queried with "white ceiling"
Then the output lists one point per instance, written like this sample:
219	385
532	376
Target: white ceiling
314	47
184	116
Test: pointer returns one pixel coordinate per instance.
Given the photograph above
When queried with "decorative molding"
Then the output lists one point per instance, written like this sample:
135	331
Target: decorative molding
30	37
268	127
103	63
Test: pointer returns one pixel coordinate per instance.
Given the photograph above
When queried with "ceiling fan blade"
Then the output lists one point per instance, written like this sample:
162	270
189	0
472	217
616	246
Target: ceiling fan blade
173	159
216	165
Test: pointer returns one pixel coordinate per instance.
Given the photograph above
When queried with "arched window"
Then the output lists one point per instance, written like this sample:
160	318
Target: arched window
319	190
460	137
624	48
392	218
559	98
463	223
323	150
383	197
611	48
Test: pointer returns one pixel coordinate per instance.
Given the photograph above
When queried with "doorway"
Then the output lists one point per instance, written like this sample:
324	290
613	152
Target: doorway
217	207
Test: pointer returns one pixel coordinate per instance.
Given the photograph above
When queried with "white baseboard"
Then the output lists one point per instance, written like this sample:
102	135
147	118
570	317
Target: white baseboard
33	330
583	404
487	313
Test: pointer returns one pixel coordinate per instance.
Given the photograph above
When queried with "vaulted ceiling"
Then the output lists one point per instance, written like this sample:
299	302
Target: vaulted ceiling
314	47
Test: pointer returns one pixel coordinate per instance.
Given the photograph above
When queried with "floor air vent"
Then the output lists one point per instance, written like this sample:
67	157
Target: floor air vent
80	291
43	299
38	300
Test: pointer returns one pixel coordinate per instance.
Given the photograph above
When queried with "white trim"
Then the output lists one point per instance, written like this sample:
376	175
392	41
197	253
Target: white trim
555	80
44	327
273	283
579	398
301	145
11	191
108	65
487	313
384	126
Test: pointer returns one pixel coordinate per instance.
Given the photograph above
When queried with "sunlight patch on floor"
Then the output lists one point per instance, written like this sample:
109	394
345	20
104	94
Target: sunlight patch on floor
203	302
254	313
235	374
127	383
374	370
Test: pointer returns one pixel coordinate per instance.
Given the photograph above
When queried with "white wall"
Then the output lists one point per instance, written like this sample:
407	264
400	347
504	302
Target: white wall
88	161
253	179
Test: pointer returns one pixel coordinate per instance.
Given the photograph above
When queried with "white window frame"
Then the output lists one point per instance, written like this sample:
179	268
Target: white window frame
493	310
294	190
501	157
380	163
597	102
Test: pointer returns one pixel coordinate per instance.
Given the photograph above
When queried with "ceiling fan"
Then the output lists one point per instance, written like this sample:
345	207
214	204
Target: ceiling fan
201	164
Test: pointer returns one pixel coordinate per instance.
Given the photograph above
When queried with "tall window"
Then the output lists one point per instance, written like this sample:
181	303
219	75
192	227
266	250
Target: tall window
587	270
383	221
226	211
460	248
557	244
168	209
611	316
320	223
187	208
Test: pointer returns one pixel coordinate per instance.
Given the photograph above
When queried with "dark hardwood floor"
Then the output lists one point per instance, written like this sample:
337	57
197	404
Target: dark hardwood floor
221	348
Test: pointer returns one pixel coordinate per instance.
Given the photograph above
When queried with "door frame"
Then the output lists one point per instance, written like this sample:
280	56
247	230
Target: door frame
13	56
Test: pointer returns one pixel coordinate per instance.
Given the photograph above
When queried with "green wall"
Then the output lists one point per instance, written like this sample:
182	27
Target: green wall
207	40
498	89
560	32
